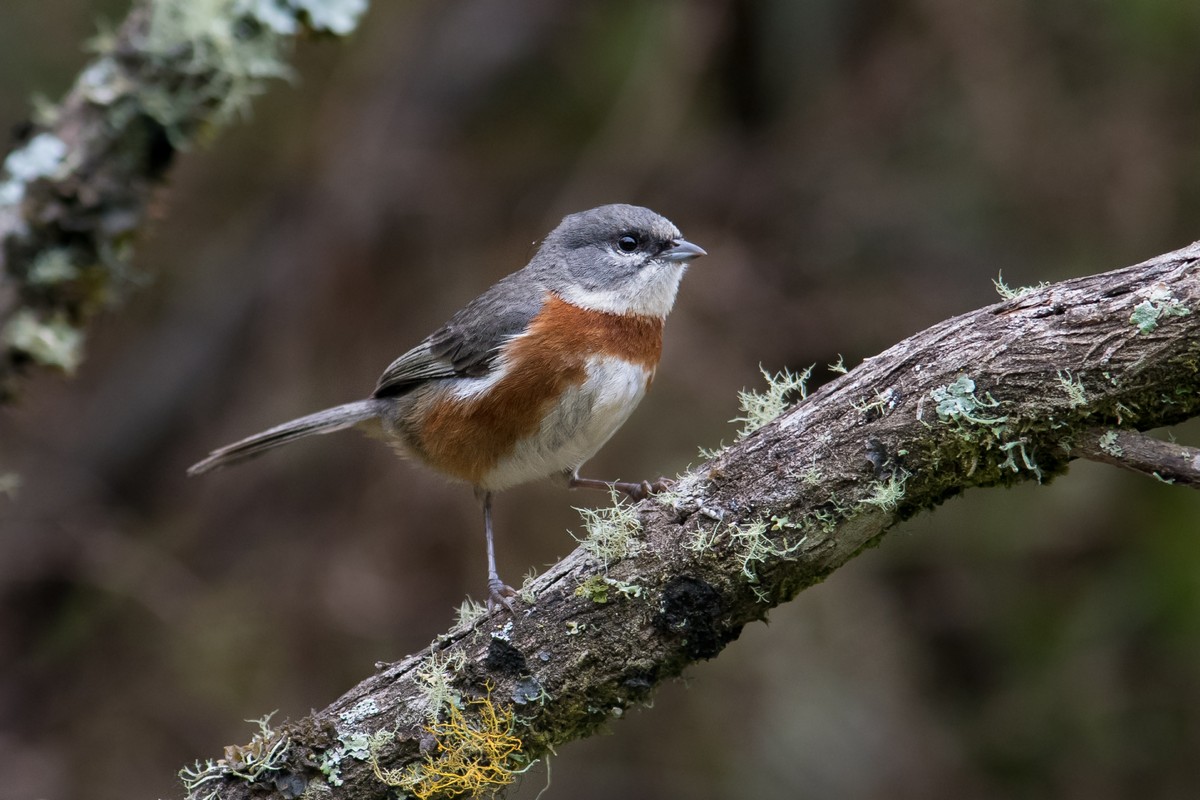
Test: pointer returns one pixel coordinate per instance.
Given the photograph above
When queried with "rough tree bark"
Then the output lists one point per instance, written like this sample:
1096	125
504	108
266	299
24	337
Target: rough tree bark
1011	392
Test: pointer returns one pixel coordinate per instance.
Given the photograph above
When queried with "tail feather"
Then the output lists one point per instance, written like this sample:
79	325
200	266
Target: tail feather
327	421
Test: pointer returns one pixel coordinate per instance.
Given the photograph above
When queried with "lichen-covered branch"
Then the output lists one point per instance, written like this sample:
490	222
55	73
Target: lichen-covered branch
1169	462
74	193
1012	392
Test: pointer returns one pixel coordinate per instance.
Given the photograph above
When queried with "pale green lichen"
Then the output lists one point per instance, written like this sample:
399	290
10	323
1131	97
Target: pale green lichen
612	531
811	476
468	613
1010	461
43	156
1073	386
1158	305
228	49
886	495
367	707
283	16
265	753
351	745
526	592
504	634
880	404
316	789
1108	444
760	408
227	63
1007	293
53	343
839	367
754	546
596	589
437	676
958	402
701	539
684	490
51	267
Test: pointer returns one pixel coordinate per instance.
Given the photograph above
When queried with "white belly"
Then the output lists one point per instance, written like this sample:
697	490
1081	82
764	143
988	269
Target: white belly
584	419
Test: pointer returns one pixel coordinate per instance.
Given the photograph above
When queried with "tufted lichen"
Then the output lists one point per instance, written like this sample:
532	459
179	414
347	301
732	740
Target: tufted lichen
477	751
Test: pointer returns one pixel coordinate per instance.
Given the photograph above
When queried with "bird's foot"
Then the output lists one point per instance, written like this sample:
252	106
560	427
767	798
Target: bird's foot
634	491
643	489
499	593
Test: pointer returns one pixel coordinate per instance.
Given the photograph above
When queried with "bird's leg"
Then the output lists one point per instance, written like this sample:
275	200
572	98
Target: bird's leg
634	491
498	590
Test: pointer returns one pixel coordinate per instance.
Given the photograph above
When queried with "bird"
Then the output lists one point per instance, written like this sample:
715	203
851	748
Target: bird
530	379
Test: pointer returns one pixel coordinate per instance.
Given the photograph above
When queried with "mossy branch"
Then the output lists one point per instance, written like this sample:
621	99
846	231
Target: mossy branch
1012	392
75	191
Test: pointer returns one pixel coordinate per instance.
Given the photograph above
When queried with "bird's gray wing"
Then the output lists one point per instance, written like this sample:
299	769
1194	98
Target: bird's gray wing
467	345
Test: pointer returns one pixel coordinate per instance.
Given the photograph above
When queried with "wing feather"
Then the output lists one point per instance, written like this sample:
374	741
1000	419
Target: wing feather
467	345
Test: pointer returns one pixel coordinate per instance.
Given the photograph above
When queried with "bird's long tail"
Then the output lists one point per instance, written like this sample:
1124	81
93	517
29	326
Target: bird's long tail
327	421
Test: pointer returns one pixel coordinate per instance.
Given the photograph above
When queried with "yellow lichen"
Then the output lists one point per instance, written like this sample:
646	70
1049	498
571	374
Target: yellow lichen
474	754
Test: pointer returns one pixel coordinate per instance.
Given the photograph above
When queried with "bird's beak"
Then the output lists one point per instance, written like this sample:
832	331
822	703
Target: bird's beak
682	250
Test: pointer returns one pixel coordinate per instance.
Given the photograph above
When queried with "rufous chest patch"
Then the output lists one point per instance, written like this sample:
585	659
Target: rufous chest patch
468	435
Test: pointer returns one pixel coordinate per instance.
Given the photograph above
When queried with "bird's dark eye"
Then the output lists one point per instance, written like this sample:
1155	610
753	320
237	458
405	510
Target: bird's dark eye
627	243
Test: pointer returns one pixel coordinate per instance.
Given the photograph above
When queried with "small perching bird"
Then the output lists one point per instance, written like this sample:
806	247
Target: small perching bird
532	377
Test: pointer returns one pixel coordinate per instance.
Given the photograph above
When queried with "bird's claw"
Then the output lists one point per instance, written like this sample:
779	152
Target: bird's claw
498	595
640	491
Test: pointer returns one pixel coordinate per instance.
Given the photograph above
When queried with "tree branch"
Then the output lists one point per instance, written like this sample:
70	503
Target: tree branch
78	189
1167	461
1008	393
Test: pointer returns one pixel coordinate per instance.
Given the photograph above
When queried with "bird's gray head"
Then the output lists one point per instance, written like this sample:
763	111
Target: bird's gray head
619	259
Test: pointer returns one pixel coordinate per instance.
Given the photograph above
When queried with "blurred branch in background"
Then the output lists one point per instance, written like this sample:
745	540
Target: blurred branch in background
79	188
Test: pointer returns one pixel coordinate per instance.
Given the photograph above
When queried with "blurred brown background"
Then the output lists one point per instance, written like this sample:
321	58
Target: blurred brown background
857	169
